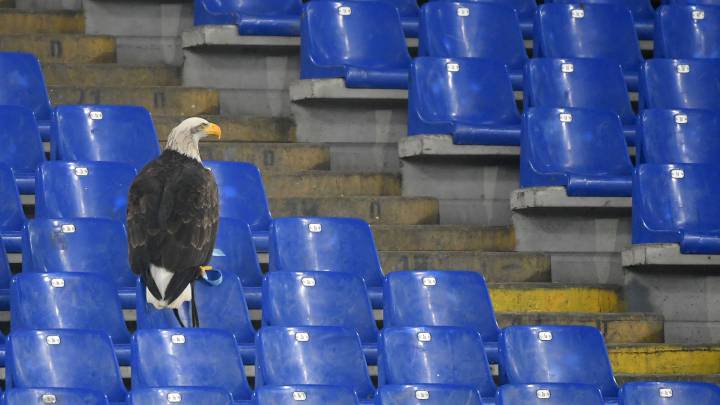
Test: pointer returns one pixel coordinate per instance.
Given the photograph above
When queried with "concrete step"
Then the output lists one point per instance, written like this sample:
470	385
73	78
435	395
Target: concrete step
626	378
79	74
375	210
29	22
65	48
245	129
496	267
270	157
616	327
661	359
7	3
330	184
444	238
184	101
555	297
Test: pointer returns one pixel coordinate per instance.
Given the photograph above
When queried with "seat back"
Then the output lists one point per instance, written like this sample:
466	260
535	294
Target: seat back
83	189
67	301
325	244
472	30
680	83
687	32
207	358
324	355
57	396
678	136
308	394
549	394
110	133
669	393
22	83
434	355
700	2
439	298
583	83
318	299
234	252
557	354
406	8
640	9
86	245
5	273
180	395
227	11
12	216
65	358
22	148
427	394
524	8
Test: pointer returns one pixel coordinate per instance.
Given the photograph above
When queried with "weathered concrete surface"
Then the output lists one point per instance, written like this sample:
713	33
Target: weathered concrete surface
330	184
28	22
241	129
431	238
67	48
442	145
133	50
587	267
554	297
312	90
666	257
270	157
226	36
626	378
75	74
556	197
49	5
7	3
659	359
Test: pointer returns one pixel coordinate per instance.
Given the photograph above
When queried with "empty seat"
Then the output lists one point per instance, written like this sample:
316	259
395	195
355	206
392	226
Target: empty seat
582	83
687	32
57	396
22	83
83	189
557	354
427	394
642	11
306	395
702	2
549	394
207	358
234	252
253	17
680	83
104	133
12	216
582	150
361	42
22	148
434	355
86	245
441	298
64	359
677	204
327	244
525	10
470	99
180	395
409	11
69	301
678	136
669	393
473	30
602	31
242	196
324	355
219	306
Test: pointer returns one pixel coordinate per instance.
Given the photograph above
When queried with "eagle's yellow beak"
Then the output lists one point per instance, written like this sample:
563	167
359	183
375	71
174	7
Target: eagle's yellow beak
214	130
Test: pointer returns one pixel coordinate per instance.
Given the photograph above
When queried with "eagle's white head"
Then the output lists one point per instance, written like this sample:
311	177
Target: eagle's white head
184	138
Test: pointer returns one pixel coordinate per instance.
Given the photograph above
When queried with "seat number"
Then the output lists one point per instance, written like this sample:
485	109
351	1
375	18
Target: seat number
57	283
453	67
174	397
677	173
681	119
424	336
68	228
422	395
81	171
463	11
429	281
683	68
315	228
545	336
308	282
53	340
578	13
49	399
566	117
299	396
96	115
177	339
345	10
666	393
698	15
302	336
567	68
543	394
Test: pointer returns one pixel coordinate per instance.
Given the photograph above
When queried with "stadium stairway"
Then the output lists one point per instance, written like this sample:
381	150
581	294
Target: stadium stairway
83	68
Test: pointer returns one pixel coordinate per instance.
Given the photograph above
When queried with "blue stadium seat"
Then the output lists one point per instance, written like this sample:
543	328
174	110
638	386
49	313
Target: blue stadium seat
242	196
64	359
427	394
5	276
698	2
306	395
57	396
642	11
677	204
669	393
473	30
324	355
441	298
180	395
207	358
470	99
22	83
69	301
253	17
557	354
235	253
87	245
687	32
83	190
12	216
549	394
680	83
110	133
582	83
22	148
409	12
582	150
525	10
320	298
434	355
359	41
327	244
219	307
599	31
678	136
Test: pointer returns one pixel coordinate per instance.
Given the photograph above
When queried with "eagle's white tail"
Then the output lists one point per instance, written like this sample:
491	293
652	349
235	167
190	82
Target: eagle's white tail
162	278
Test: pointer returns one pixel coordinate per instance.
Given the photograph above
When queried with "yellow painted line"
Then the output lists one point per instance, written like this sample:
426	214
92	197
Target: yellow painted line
570	299
665	359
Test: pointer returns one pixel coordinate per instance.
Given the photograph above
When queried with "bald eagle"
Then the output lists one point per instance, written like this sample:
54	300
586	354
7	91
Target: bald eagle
172	218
